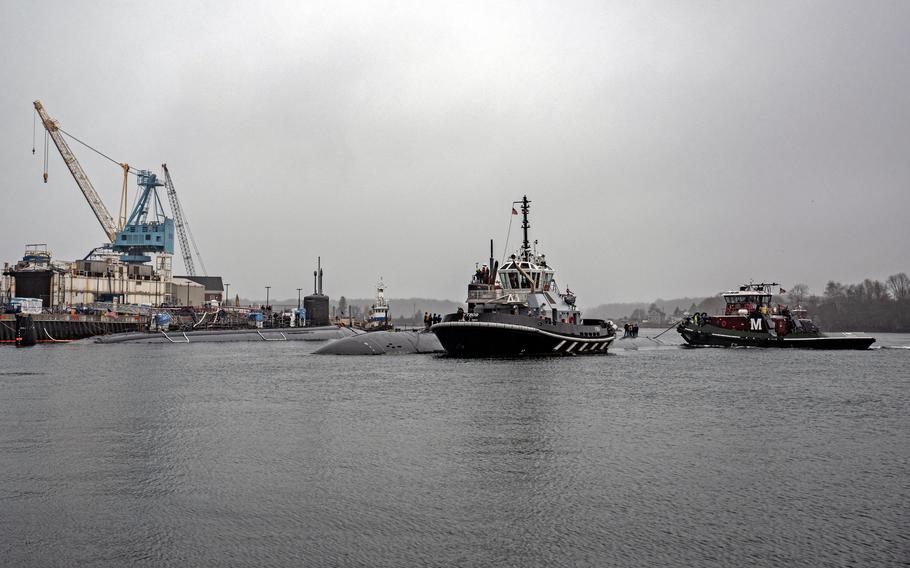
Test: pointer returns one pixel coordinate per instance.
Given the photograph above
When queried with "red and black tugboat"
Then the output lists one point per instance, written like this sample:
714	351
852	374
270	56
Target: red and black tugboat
750	320
518	309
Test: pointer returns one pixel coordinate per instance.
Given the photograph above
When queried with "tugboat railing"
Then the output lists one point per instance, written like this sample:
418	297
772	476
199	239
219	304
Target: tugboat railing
482	294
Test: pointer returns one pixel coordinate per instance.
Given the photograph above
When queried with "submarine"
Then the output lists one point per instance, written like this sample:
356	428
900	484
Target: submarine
384	342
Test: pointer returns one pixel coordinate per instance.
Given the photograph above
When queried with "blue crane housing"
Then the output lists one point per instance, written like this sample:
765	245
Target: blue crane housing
148	229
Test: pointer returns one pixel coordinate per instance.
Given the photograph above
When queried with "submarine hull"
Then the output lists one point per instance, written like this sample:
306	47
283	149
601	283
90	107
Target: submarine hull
383	343
319	333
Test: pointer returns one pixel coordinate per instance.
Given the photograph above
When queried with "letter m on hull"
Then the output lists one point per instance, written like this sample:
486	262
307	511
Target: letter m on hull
755	323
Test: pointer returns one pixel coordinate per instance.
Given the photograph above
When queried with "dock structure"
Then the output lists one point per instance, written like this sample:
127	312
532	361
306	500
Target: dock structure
58	328
106	279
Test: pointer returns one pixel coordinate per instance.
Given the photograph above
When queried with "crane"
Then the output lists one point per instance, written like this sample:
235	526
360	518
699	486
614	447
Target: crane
183	226
94	201
148	229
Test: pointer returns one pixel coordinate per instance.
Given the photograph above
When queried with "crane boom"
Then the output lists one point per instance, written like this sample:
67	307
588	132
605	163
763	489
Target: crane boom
94	201
183	226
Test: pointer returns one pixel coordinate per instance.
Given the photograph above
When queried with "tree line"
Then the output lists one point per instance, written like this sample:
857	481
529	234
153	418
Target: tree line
870	305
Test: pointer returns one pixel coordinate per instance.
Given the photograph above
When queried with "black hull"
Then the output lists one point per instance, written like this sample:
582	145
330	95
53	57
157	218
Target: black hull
488	339
50	329
718	337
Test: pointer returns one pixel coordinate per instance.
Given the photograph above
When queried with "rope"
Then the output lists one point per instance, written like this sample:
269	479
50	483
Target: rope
656	338
676	323
202	319
172	341
264	338
52	339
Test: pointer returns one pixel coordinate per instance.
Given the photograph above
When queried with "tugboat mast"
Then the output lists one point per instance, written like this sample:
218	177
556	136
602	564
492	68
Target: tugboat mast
525	246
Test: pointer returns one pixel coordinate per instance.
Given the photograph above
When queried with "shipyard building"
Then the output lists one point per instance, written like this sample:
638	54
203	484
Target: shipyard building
101	280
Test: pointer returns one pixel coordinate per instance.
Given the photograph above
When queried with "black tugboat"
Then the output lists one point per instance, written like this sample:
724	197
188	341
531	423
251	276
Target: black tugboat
519	310
750	320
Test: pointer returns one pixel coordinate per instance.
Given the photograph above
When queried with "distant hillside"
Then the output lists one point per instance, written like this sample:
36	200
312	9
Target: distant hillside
870	305
623	310
400	307
406	307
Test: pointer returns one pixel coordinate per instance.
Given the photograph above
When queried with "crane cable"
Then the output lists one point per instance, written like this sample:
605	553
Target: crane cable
95	150
45	155
195	246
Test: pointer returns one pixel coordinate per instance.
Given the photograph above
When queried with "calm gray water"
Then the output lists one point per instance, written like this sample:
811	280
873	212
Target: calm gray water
262	454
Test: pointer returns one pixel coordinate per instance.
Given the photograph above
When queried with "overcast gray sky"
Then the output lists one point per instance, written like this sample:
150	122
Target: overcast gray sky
669	148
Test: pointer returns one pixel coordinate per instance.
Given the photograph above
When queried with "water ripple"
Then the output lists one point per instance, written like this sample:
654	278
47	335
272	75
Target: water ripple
262	455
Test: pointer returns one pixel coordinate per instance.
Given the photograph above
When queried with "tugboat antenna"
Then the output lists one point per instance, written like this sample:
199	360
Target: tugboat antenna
525	247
